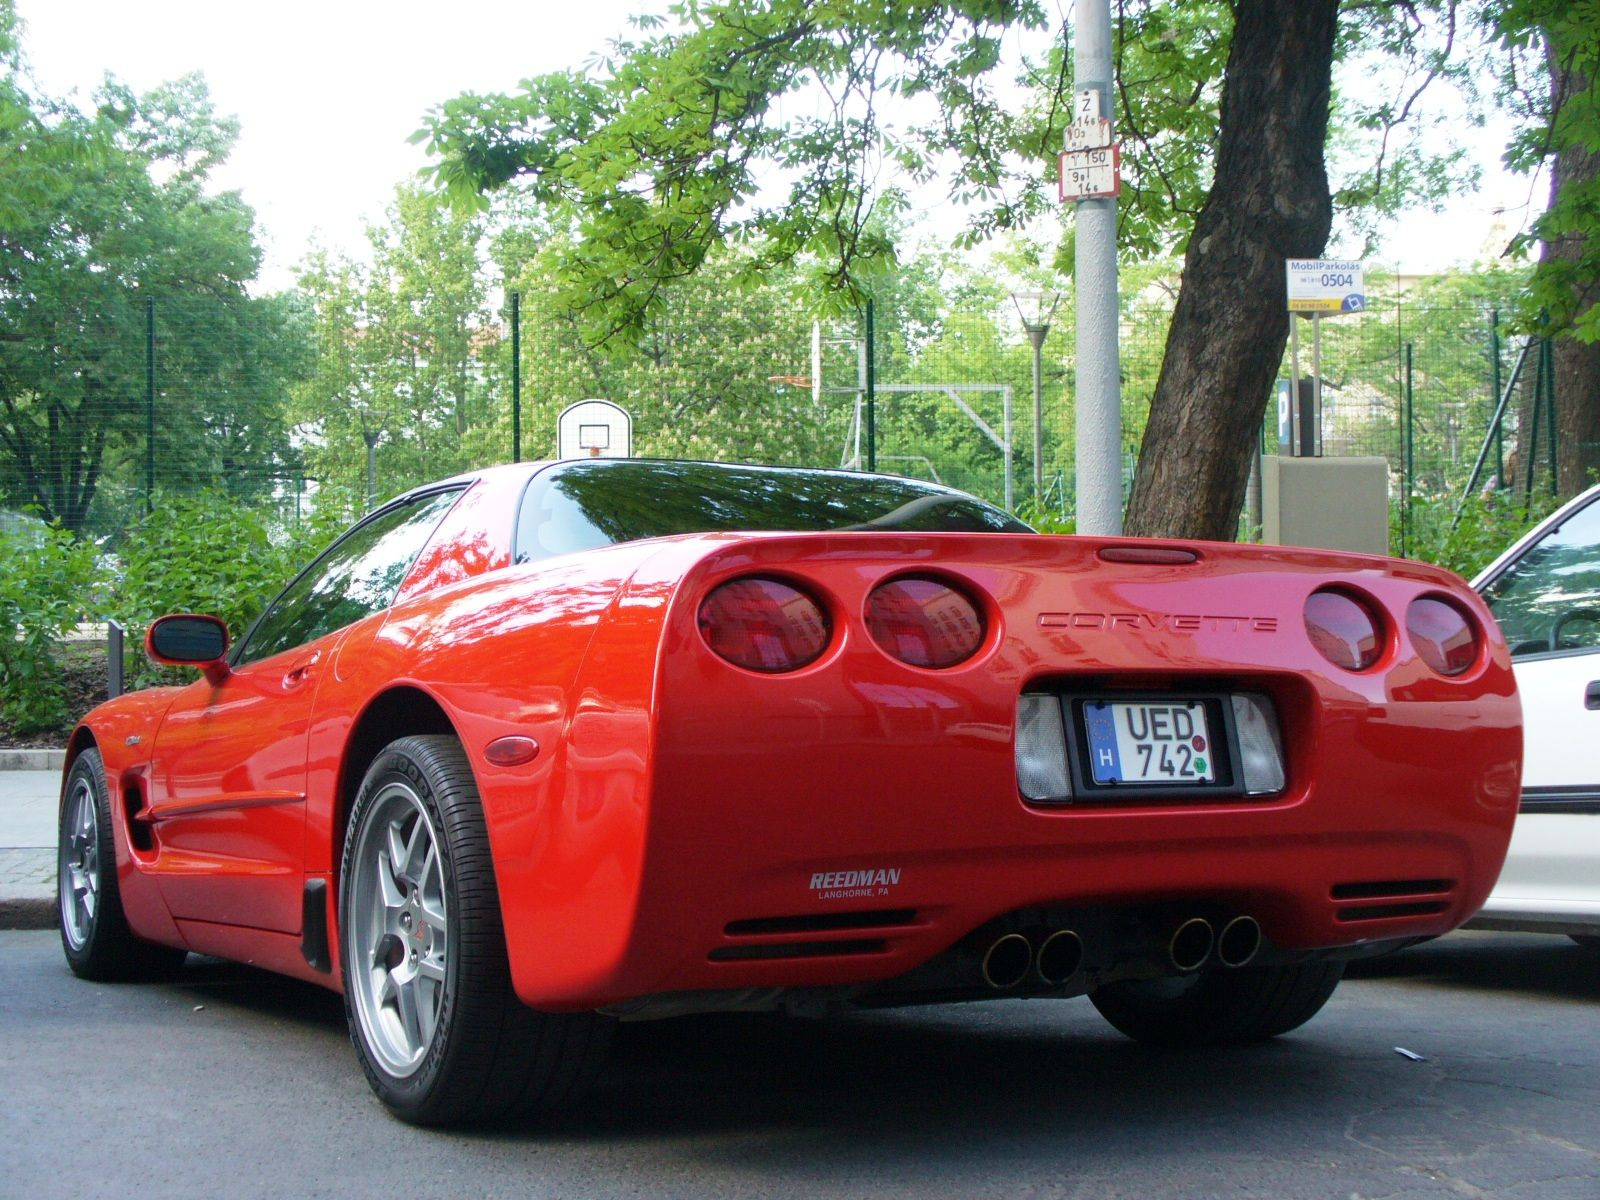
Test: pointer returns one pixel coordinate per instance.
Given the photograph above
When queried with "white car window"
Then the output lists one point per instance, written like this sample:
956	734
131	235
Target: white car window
1549	598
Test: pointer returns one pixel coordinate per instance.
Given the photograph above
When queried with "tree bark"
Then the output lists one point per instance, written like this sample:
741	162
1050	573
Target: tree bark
1269	201
1577	363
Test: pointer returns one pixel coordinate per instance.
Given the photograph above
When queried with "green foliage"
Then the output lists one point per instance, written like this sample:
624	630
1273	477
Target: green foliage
660	156
1045	519
398	347
48	584
1487	524
204	553
198	554
1549	78
102	215
662	152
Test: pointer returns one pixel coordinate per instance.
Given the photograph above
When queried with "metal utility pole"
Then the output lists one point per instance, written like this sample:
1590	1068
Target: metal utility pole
1099	398
871	387
516	376
1037	326
149	405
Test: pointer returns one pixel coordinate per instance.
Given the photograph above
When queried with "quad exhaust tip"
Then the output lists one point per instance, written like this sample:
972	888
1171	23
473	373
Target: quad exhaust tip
1191	944
1006	962
1059	957
1239	941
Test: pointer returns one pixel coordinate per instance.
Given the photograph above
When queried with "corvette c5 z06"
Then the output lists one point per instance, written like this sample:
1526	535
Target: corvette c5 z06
549	746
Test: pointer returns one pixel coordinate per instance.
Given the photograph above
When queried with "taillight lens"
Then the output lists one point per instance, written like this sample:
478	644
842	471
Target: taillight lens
924	622
1343	629
764	624
1444	636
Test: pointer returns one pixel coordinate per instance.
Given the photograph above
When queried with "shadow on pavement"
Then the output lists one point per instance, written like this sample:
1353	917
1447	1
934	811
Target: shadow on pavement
1527	964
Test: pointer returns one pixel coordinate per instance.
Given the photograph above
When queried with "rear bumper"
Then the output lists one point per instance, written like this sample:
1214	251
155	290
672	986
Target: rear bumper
847	823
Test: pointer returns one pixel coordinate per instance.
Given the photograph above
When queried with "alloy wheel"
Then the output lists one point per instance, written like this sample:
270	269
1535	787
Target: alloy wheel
400	930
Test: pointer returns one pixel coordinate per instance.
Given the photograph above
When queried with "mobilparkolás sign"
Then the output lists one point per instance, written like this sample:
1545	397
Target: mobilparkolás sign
1326	286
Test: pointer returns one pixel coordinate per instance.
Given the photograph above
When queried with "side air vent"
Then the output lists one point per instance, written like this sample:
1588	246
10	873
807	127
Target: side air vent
1396	897
779	950
822	922
139	831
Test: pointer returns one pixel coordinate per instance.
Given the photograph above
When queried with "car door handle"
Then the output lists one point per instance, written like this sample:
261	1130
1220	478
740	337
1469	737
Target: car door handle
1591	694
296	675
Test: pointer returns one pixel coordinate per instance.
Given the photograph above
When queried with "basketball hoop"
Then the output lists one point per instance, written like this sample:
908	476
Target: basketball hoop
594	429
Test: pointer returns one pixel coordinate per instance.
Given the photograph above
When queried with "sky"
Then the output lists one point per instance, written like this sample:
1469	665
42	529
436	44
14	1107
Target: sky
328	92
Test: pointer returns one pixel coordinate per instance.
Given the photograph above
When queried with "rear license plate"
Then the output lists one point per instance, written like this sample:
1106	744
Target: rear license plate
1149	742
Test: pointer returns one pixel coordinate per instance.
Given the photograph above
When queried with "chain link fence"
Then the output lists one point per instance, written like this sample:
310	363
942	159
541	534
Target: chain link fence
272	402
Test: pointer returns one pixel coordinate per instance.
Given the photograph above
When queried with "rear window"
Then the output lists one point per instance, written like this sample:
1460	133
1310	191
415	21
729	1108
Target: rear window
585	505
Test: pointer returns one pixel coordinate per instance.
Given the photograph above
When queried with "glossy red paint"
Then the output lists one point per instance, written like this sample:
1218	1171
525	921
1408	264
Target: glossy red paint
678	800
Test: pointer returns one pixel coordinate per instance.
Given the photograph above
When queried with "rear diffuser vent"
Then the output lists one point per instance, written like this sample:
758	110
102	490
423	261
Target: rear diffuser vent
1380	912
773	950
822	922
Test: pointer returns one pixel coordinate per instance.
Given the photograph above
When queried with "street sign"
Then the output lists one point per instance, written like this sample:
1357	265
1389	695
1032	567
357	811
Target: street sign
1088	135
1086	174
1326	285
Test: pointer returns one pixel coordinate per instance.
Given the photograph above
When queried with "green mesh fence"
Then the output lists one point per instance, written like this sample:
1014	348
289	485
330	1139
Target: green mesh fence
275	401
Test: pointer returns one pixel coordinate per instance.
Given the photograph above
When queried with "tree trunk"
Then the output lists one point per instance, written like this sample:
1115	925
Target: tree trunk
1269	202
1577	363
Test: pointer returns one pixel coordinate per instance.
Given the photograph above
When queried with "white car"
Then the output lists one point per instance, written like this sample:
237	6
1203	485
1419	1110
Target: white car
1545	592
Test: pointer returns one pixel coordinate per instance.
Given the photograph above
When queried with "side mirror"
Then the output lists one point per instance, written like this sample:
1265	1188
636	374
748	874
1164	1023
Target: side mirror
189	640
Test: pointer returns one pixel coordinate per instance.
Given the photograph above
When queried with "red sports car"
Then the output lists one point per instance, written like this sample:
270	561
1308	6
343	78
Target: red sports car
553	745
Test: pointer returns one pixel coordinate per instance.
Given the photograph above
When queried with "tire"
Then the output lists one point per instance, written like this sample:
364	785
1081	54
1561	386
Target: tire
94	929
438	1029
1219	1006
1588	941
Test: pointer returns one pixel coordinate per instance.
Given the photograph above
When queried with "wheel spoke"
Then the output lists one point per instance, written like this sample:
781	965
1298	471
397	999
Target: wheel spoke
418	850
86	893
427	988
391	897
405	996
432	913
397	849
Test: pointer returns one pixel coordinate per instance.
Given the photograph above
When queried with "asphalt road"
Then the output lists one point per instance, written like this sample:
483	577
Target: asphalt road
235	1083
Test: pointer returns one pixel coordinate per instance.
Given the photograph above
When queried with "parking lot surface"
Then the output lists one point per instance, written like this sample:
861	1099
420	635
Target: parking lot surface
234	1082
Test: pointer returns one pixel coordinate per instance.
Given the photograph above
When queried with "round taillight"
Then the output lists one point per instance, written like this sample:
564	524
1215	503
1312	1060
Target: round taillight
924	622
1445	638
764	624
1343	629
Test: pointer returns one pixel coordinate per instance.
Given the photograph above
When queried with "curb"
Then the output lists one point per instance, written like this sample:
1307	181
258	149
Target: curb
32	760
28	913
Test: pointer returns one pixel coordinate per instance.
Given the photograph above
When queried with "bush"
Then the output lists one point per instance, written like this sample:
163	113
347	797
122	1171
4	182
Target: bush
49	584
1488	524
206	554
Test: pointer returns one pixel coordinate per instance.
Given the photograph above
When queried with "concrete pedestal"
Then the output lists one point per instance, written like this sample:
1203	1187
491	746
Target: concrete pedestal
1330	503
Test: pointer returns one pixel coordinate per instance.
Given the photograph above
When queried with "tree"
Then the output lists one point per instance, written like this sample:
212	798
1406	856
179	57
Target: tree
84	263
661	158
1550	76
1270	201
398	389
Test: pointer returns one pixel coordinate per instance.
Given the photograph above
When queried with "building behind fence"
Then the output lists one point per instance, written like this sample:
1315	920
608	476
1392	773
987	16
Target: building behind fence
273	404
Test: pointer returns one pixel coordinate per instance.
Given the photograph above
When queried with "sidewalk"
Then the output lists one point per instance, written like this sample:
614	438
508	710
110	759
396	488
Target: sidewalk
30	783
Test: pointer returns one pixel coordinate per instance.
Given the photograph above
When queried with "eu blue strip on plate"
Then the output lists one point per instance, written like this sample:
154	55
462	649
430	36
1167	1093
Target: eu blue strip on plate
1101	720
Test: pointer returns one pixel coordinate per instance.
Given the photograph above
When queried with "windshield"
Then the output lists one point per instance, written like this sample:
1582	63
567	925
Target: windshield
583	505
